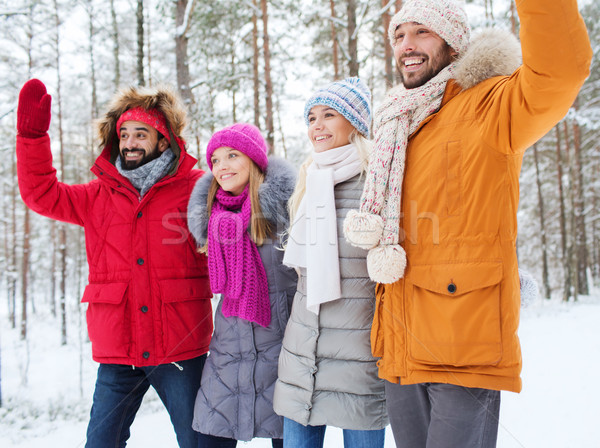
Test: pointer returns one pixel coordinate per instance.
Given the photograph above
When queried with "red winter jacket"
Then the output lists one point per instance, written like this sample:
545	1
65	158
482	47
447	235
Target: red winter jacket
148	290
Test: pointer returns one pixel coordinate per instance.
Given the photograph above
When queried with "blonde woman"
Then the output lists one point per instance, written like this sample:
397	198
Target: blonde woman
327	375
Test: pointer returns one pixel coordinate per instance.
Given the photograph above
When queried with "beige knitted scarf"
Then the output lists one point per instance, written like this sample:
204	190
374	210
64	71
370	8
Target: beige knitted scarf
376	225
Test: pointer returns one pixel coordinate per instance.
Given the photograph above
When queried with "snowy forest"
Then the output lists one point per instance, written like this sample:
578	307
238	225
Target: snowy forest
255	61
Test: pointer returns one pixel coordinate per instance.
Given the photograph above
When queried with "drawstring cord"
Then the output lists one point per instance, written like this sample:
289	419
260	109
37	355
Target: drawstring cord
178	366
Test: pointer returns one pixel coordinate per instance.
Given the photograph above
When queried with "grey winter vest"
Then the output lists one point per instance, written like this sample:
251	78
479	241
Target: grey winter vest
327	375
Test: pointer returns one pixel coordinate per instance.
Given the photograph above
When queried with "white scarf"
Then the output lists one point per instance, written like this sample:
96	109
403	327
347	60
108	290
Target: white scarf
313	241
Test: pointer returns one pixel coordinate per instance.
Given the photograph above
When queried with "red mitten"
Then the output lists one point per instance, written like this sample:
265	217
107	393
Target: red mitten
33	113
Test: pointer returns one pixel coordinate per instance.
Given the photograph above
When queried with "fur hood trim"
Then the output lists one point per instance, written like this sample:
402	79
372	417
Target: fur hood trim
492	52
162	98
274	193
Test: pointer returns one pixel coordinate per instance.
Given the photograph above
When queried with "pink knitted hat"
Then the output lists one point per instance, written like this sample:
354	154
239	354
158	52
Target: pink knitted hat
447	18
243	137
152	117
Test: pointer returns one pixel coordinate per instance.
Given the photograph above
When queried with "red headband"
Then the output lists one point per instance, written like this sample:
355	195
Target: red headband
152	117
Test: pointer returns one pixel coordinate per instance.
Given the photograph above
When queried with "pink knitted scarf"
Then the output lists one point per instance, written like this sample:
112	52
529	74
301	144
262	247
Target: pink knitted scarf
235	267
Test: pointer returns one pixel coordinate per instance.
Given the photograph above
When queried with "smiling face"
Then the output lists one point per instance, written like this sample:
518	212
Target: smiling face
328	129
420	54
231	169
139	144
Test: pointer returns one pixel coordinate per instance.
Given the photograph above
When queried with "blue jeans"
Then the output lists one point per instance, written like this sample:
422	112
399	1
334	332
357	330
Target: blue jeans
119	393
296	435
208	441
436	415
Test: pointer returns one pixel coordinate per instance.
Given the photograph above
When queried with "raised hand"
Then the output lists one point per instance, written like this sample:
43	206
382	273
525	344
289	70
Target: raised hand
33	112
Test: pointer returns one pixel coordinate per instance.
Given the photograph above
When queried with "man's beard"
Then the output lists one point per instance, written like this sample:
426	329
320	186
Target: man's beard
133	164
438	61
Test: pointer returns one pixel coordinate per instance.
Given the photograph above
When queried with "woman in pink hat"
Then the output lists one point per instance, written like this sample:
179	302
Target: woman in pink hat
237	216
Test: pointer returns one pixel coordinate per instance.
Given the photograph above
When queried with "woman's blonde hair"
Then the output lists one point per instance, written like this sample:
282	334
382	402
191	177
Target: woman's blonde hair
364	148
260	227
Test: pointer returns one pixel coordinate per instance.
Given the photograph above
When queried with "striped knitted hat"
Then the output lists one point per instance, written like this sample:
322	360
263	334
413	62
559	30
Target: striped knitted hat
350	97
447	18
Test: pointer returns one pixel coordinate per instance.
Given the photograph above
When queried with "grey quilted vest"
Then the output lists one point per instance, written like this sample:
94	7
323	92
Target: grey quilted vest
327	375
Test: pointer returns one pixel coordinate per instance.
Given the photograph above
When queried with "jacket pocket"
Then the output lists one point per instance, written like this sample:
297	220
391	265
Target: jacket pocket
186	315
454	316
281	304
109	325
453	178
376	336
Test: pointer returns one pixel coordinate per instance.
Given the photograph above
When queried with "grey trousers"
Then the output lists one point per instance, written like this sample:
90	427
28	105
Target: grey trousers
435	415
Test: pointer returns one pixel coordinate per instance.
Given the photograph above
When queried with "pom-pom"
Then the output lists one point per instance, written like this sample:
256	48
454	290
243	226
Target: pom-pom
363	230
386	264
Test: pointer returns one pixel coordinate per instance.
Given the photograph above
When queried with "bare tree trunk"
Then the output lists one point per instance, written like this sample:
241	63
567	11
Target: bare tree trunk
62	232
184	10
148	27
334	42
579	205
233	89
53	268
116	48
595	241
387	48
63	283
352	39
513	17
571	252
278	108
255	57
92	32
563	221
140	42
94	109
198	158
10	245
489	10
12	282
24	275
26	219
268	84
0	377
545	277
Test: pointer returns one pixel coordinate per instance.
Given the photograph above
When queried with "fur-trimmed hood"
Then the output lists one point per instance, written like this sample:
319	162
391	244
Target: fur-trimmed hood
273	194
162	98
492	52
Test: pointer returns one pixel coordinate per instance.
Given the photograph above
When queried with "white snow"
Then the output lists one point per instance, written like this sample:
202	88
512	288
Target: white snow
558	407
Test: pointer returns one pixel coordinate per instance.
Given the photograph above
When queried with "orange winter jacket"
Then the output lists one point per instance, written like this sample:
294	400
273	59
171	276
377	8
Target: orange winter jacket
453	318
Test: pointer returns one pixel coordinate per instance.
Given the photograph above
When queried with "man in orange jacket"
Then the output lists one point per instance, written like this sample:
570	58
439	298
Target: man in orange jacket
438	212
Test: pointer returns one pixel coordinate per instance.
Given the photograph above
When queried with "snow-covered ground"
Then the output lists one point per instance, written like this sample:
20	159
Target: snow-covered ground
558	408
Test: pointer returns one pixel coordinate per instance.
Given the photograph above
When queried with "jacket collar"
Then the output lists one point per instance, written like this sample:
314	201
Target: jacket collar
108	173
273	194
492	52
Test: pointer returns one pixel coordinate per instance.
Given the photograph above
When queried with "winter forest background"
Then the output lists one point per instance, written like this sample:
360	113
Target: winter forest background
254	61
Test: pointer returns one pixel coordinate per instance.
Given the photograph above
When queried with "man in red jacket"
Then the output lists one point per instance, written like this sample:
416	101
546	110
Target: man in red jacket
149	314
